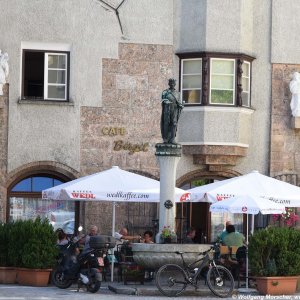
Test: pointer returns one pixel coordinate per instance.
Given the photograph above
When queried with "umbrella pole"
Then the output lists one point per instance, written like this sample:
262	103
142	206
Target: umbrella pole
247	256
113	218
247	289
113	234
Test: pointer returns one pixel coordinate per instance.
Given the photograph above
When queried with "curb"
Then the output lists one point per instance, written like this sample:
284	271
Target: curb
153	291
123	291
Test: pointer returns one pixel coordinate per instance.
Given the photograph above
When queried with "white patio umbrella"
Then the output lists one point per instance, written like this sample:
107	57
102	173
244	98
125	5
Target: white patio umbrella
113	185
247	204
252	183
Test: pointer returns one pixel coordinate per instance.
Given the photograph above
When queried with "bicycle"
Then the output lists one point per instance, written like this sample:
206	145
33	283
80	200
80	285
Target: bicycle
172	279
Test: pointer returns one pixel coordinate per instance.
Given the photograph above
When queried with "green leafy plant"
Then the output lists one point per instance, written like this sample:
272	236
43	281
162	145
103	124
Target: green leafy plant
275	251
18	237
167	233
5	260
33	244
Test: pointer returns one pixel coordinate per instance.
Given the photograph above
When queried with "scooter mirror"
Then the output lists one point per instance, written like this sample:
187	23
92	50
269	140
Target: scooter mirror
80	228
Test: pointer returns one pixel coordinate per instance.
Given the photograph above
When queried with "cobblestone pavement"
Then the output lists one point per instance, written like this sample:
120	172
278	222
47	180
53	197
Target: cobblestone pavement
16	292
132	291
19	292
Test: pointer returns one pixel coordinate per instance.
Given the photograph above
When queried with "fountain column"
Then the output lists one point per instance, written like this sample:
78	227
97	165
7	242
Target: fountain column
168	156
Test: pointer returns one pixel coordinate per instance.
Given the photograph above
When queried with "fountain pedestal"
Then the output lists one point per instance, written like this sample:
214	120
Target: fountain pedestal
168	156
153	256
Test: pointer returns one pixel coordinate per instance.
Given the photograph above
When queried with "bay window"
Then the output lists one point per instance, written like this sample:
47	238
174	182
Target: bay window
215	79
192	80
222	81
246	84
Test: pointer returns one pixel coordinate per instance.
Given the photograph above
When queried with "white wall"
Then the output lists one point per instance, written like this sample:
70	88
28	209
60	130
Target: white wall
233	26
285	31
52	132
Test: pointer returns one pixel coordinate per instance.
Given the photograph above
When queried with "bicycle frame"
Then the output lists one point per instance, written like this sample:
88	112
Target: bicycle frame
205	261
172	279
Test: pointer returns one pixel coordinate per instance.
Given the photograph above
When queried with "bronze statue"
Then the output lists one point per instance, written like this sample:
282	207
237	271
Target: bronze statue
171	110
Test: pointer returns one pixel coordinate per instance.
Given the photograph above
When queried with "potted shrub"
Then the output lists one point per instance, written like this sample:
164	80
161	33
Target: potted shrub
274	256
33	251
7	272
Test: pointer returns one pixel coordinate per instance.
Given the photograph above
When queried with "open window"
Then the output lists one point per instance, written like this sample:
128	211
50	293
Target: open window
45	75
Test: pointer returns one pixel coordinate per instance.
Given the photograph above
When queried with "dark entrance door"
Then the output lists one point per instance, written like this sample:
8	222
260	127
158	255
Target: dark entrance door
201	222
193	215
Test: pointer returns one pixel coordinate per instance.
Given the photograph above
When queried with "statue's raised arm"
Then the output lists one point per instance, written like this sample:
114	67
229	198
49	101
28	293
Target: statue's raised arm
171	110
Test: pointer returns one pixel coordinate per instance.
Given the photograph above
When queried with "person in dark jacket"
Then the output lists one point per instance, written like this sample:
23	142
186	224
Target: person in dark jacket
189	239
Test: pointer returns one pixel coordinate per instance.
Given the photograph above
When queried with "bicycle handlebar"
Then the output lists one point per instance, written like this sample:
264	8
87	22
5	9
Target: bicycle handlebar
200	253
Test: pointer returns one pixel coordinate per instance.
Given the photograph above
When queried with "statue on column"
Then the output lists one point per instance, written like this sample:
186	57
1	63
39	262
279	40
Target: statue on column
171	110
295	90
4	70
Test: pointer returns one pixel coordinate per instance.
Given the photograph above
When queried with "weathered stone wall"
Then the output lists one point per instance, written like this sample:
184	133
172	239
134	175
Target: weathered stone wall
285	140
3	151
125	130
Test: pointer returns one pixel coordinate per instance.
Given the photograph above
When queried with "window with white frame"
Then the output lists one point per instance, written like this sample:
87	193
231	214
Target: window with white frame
191	78
246	84
222	81
215	79
45	75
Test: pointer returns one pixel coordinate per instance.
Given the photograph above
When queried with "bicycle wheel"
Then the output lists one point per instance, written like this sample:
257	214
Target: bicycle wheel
171	280
220	281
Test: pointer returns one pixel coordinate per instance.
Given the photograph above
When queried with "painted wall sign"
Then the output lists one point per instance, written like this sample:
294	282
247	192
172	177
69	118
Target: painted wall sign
122	145
132	148
112	131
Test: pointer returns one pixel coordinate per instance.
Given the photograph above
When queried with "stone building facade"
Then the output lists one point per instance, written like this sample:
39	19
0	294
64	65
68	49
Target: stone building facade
284	154
232	69
125	130
3	149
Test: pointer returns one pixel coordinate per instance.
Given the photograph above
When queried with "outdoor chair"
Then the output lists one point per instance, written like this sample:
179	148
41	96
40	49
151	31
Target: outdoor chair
232	258
128	270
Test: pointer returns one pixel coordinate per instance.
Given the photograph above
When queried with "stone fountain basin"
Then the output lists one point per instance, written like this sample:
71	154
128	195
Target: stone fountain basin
154	256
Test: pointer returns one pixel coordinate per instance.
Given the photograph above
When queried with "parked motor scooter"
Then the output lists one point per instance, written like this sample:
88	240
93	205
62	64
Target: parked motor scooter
86	268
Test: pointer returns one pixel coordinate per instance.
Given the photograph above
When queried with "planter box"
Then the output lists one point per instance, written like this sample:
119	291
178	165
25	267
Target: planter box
133	272
277	285
33	277
8	275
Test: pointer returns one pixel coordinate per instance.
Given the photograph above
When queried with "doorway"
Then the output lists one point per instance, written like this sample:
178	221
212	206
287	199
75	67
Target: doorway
194	215
200	220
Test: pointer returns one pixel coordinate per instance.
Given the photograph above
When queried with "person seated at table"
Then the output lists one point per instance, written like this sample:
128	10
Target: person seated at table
122	235
63	241
124	251
92	232
62	238
233	238
222	235
147	237
189	239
